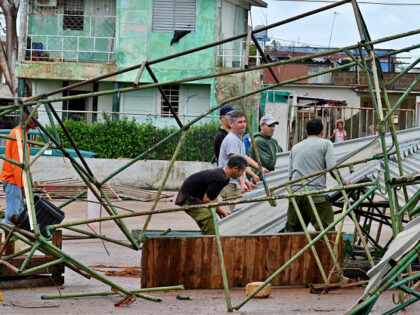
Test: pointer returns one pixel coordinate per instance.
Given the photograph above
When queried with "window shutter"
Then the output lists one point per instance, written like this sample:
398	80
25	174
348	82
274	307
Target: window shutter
185	15
171	15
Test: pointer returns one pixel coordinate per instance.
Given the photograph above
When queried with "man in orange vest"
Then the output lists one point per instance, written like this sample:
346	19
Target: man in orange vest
11	175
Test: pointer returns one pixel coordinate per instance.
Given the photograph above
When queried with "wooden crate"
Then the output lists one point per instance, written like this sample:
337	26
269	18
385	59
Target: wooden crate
54	275
194	262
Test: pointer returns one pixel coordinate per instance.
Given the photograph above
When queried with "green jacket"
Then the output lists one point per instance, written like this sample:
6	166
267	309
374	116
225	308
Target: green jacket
267	148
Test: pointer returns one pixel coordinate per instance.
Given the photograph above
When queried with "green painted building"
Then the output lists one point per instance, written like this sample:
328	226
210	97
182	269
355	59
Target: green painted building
75	40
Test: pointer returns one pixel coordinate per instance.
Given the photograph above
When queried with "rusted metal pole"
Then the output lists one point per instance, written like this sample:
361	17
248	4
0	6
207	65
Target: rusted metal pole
165	97
264	57
143	65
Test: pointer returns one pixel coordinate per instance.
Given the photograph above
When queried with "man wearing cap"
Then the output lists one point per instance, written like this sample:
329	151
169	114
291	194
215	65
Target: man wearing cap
266	145
223	130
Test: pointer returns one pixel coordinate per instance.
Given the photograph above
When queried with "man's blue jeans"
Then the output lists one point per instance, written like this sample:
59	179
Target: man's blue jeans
14	200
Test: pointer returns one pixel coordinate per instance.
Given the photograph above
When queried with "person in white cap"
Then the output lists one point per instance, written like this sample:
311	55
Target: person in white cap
266	145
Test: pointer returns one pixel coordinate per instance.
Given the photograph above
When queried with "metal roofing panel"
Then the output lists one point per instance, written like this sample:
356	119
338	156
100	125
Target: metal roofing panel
261	218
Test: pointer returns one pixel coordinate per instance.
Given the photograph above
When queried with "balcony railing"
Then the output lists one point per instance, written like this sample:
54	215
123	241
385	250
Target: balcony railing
59	48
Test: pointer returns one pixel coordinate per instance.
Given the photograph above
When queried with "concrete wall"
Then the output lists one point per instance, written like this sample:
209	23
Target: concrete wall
142	174
325	91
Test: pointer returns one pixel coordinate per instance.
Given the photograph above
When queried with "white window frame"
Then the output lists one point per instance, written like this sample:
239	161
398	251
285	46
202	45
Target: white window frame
159	102
175	17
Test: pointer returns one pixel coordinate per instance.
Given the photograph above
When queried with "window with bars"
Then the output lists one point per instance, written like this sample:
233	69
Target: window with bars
73	18
171	15
172	92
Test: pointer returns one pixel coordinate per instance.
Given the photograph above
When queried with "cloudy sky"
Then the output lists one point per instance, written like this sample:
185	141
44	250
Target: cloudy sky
382	20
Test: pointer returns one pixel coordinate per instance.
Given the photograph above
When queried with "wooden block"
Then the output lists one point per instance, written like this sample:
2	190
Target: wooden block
251	287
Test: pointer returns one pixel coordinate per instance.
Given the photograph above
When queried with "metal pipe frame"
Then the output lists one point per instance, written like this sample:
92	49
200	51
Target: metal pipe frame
37	241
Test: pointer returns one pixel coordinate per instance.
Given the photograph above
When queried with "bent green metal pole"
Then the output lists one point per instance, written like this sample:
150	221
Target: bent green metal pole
52	122
162	185
26	177
94	235
356	223
207	205
40	144
222	259
304	249
308	237
380	84
387	281
65	153
106	293
332	252
196	120
109	208
384	151
400	101
322	172
50	249
402	73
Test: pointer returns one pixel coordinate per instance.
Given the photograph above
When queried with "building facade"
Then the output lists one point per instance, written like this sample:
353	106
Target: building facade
74	40
337	95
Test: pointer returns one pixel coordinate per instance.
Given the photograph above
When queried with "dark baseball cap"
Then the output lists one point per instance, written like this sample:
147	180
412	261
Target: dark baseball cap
226	110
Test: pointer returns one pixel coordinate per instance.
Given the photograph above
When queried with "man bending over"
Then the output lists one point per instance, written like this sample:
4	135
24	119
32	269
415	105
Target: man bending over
204	187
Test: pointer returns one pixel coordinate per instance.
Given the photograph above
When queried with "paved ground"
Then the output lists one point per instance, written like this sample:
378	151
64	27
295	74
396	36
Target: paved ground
282	300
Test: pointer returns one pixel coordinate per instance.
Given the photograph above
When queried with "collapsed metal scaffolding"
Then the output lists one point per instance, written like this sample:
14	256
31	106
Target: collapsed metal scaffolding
378	92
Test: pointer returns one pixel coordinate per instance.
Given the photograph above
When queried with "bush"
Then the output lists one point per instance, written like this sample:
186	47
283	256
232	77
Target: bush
127	139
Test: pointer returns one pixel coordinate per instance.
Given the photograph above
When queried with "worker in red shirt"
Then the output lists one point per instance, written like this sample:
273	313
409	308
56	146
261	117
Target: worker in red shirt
11	176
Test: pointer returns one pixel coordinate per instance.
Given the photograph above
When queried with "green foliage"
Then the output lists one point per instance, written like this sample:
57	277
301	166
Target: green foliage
348	248
126	138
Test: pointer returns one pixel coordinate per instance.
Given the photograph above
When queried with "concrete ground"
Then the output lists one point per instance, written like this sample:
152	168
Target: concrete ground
91	252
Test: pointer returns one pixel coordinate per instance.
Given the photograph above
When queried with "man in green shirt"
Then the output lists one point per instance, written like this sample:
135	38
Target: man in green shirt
266	145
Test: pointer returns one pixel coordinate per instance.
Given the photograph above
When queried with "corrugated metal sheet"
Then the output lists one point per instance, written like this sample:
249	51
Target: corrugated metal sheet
402	244
261	218
171	15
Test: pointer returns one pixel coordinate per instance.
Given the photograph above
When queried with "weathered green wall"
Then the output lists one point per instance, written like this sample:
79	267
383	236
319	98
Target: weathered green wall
233	85
136	42
84	45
